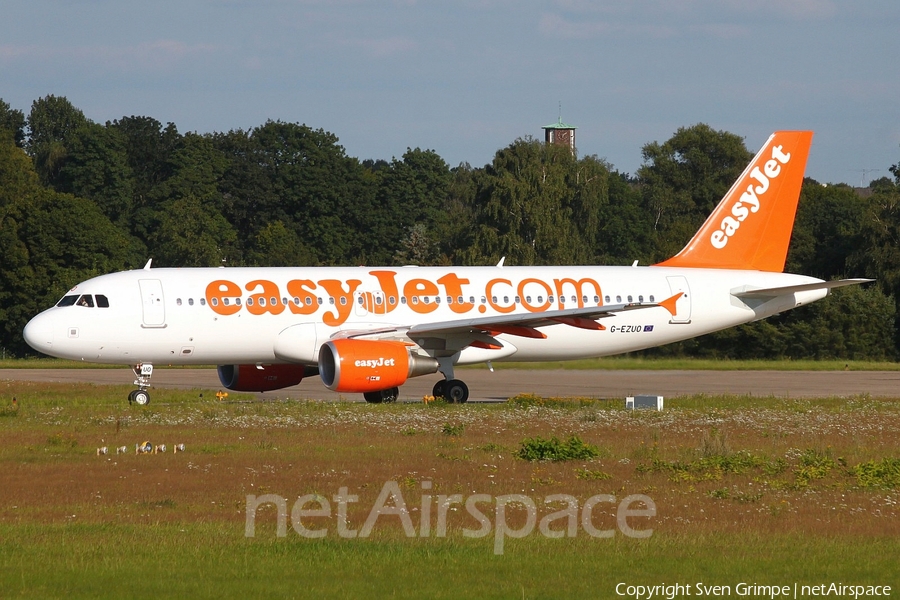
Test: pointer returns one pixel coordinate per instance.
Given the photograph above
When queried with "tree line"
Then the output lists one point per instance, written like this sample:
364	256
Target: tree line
79	199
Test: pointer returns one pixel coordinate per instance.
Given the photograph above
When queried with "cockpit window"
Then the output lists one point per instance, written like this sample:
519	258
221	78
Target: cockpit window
86	300
68	300
102	301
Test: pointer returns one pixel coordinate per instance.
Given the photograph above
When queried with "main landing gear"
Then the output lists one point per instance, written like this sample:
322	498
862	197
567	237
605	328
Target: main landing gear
142	373
451	390
384	396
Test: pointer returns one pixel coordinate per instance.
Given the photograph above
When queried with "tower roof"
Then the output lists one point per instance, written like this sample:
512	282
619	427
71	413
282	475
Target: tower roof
559	125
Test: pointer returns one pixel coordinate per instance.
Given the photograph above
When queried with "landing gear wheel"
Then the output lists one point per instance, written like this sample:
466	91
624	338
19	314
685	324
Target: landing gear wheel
456	391
131	396
373	397
439	389
140	397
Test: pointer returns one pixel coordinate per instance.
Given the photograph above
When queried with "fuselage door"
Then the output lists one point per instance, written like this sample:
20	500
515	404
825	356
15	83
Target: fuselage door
679	283
152	300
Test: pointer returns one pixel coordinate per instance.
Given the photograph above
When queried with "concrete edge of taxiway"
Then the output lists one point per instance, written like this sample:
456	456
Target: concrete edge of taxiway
485	385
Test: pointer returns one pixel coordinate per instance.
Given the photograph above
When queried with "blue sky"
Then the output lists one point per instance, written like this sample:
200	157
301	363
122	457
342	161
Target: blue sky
466	78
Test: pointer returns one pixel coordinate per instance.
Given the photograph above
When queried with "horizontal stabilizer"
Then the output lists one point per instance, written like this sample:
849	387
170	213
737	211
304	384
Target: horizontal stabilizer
791	289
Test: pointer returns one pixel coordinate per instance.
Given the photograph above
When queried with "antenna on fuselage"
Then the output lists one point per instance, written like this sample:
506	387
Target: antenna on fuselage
147	266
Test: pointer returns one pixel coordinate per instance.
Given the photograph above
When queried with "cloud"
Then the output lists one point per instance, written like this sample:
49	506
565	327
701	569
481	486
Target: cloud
383	47
557	26
158	55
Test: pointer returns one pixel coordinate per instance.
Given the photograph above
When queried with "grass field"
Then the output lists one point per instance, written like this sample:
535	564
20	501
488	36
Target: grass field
758	490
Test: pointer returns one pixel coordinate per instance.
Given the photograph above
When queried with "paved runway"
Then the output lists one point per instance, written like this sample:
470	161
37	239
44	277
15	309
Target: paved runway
503	383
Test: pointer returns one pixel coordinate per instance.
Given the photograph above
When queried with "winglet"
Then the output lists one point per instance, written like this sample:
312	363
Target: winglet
669	303
751	227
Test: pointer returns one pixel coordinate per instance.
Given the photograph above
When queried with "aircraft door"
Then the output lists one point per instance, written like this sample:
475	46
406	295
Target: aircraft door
679	283
154	309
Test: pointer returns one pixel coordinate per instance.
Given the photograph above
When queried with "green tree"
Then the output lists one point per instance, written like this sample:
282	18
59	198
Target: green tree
537	204
52	124
96	168
683	179
48	243
12	122
187	227
828	229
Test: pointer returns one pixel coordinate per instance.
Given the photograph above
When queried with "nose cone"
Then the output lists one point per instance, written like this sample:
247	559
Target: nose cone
39	333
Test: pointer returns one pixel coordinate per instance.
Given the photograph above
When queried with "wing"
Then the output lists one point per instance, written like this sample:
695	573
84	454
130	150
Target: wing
479	331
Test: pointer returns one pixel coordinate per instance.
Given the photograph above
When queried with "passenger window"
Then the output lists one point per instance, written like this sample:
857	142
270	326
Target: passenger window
190	301
618	299
392	300
343	301
471	299
629	298
308	301
402	299
360	300
518	300
237	301
102	301
331	300
178	301
203	301
319	301
273	301
249	301
606	299
651	298
640	298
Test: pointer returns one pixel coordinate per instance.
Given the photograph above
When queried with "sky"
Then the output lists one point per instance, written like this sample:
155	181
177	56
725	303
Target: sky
467	78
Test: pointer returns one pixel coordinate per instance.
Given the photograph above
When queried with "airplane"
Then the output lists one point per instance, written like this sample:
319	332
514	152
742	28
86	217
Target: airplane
368	329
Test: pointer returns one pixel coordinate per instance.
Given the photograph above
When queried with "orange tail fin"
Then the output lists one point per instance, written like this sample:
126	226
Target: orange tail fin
751	227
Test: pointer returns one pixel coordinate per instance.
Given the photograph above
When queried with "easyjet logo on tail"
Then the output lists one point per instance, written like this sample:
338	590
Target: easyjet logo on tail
749	202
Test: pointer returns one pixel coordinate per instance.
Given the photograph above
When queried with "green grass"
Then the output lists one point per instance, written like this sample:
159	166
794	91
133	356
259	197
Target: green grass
739	502
216	560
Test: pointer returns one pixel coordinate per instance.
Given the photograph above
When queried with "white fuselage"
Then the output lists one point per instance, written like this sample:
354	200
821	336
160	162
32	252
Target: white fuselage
238	315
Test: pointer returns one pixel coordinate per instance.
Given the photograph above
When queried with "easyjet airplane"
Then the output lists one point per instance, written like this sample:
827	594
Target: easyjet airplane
368	330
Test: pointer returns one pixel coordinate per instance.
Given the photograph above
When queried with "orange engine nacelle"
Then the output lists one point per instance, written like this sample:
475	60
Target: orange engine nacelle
351	365
265	378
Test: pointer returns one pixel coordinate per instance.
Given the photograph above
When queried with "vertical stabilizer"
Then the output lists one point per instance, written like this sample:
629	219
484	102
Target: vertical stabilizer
751	227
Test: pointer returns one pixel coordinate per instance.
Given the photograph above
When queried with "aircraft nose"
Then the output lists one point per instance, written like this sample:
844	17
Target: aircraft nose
39	333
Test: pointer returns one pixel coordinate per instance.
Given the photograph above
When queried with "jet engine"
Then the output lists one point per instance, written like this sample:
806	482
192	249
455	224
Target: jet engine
262	378
353	365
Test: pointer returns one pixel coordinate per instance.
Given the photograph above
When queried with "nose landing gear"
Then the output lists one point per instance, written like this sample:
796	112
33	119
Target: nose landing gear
142	373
